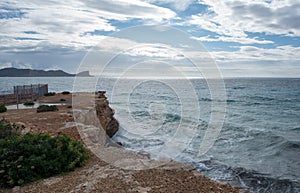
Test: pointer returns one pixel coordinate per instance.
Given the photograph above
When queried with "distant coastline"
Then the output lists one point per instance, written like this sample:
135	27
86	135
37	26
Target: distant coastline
15	72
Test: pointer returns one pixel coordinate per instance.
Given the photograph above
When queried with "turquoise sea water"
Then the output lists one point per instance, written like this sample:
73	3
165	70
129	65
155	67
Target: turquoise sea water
258	147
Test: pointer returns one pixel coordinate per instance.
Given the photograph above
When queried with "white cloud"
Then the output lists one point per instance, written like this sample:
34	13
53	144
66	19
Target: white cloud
68	24
16	64
241	40
6	65
154	51
176	4
281	61
123	9
234	18
253	53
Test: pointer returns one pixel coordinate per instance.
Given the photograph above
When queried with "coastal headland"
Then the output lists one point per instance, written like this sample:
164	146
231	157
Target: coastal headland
98	175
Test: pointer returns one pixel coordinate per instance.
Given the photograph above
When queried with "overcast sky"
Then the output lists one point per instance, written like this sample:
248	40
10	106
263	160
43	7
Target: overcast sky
257	38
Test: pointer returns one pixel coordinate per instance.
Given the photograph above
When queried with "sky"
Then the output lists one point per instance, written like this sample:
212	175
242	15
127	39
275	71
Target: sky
249	38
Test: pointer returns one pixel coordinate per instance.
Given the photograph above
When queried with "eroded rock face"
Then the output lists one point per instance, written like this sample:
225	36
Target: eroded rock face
106	114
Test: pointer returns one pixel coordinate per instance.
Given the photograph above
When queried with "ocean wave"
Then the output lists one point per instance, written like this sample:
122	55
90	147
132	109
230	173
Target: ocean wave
296	129
206	99
210	100
170	117
230	101
291	145
251	180
261	98
276	142
140	113
238	87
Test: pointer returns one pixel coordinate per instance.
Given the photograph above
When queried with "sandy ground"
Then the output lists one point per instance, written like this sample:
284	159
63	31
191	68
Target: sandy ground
98	176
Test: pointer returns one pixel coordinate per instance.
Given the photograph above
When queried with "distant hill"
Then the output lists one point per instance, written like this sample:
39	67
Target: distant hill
14	72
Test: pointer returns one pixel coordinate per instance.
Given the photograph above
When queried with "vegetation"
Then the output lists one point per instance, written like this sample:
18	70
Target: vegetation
46	108
62	100
7	129
29	157
2	109
28	103
50	94
65	92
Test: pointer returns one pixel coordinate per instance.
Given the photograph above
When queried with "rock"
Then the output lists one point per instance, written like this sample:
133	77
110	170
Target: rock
106	115
141	189
119	143
101	94
20	124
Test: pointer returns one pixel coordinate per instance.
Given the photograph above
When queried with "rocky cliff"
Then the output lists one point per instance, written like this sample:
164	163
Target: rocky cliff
106	114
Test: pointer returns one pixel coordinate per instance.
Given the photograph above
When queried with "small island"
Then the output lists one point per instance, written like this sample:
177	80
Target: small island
15	72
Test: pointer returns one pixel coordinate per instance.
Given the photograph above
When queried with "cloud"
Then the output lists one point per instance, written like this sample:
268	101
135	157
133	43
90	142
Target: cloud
68	24
123	9
262	69
257	54
6	65
281	61
17	64
178	5
154	51
234	18
241	40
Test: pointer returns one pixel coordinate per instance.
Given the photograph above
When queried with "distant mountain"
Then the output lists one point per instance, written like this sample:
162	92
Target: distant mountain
14	72
84	73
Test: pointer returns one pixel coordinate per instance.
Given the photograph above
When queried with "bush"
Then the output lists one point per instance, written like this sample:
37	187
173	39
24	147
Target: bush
29	157
65	92
2	109
50	94
46	108
62	100
28	103
7	129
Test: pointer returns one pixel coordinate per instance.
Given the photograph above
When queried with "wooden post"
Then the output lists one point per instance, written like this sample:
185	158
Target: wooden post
17	93
31	93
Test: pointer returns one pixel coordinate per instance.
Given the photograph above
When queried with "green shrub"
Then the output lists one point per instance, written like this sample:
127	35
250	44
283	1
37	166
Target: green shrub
46	108
27	158
28	103
50	94
2	109
7	129
65	92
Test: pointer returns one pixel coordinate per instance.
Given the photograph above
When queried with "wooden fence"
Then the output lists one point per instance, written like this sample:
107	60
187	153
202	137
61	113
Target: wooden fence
24	93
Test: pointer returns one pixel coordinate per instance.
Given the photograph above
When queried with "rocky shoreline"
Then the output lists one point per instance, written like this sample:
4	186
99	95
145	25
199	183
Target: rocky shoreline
97	175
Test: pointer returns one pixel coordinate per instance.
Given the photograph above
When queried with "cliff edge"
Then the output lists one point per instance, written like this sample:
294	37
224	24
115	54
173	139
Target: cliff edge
106	114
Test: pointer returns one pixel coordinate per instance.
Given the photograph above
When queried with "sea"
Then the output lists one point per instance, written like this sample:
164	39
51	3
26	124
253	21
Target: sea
256	145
